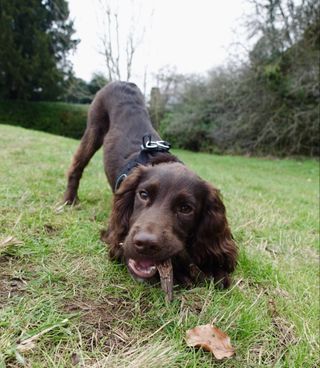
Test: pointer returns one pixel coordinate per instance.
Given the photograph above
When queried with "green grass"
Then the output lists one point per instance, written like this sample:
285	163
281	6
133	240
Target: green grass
55	273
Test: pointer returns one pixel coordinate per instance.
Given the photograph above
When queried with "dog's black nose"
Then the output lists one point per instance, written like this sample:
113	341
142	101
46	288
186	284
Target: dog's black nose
144	241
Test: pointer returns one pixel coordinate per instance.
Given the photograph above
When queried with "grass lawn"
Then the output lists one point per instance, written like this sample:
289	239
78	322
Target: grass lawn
56	280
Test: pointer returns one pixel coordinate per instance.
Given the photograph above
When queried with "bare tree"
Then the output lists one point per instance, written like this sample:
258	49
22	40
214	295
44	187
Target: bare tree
119	40
170	82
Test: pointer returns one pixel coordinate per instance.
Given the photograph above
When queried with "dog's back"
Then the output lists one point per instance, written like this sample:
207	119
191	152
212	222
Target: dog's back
118	119
115	105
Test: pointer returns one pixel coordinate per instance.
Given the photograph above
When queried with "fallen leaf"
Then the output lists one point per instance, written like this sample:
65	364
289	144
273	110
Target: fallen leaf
212	339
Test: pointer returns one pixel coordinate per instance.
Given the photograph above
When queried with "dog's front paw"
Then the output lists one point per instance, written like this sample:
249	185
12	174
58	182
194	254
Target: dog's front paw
70	199
222	279
104	233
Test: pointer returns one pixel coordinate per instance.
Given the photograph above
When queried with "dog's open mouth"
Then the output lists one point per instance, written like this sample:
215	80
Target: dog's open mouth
142	268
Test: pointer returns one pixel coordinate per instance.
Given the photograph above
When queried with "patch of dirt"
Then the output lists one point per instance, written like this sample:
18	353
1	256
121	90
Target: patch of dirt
283	331
107	322
50	229
271	292
10	286
192	303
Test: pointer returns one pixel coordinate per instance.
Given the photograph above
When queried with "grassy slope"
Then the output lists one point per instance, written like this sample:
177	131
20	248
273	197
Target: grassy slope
61	270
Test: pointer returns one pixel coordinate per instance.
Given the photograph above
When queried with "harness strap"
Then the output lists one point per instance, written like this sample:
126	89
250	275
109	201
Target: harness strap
148	149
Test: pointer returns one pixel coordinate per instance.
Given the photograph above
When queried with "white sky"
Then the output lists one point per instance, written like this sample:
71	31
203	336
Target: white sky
192	35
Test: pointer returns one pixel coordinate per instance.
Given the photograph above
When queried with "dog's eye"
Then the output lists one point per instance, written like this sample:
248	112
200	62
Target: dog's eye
143	194
185	209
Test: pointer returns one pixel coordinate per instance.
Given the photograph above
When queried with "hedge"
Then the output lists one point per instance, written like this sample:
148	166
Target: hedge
59	118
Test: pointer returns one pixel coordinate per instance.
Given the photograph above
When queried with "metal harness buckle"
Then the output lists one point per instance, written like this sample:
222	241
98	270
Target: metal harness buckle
154	145
148	147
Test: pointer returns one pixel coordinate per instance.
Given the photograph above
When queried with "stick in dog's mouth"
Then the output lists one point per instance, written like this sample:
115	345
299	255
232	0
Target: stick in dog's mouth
166	277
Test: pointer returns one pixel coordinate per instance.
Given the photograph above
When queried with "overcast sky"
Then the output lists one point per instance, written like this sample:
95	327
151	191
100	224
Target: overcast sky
192	35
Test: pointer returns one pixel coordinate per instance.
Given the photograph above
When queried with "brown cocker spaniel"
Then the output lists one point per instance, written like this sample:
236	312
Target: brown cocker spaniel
161	209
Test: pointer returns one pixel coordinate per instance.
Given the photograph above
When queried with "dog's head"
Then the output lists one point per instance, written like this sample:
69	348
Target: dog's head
163	211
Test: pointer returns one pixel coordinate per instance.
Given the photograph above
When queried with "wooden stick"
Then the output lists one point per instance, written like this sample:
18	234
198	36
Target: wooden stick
166	277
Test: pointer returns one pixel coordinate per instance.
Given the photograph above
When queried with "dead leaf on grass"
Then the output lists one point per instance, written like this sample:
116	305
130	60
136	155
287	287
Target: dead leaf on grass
210	338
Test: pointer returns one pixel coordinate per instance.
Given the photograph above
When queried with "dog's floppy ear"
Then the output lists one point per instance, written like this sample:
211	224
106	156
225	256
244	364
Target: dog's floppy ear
213	248
121	212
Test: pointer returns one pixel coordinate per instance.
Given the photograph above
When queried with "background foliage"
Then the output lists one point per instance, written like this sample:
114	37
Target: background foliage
268	105
35	39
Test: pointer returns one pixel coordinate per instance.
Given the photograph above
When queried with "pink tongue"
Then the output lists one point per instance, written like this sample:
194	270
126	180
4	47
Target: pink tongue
144	264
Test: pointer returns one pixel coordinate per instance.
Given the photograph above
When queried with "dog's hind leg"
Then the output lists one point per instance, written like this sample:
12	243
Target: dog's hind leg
92	140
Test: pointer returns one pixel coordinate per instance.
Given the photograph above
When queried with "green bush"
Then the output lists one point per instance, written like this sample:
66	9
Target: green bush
182	130
59	118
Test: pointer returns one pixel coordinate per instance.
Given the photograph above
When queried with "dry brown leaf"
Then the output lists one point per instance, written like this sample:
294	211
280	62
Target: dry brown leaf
210	338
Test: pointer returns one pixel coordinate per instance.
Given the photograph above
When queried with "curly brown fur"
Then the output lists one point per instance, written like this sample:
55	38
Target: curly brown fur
203	235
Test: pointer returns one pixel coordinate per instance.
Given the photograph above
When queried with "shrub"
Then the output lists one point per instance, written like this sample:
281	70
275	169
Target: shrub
64	119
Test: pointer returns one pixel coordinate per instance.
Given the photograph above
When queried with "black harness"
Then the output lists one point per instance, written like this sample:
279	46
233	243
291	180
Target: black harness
148	150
